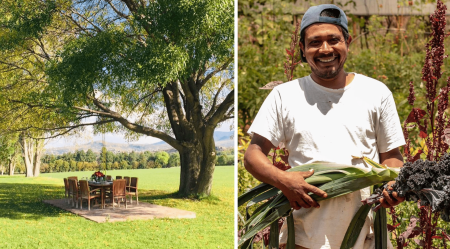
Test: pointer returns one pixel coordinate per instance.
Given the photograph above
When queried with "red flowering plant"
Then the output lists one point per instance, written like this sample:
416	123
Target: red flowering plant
432	125
293	55
425	176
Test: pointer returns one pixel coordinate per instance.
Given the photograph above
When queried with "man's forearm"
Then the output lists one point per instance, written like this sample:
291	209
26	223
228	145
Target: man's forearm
392	158
292	184
257	163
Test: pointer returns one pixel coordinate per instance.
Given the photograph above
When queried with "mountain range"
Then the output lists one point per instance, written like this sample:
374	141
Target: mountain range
223	139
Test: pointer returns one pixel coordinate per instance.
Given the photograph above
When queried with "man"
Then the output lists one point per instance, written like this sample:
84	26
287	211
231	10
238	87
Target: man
329	115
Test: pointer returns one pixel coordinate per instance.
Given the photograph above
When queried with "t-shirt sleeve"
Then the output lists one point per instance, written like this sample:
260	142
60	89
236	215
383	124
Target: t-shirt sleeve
389	132
268	122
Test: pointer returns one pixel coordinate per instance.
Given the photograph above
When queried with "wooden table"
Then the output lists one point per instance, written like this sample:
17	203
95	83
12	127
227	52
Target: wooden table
102	186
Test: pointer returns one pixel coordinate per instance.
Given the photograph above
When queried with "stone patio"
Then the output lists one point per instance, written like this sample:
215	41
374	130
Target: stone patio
143	211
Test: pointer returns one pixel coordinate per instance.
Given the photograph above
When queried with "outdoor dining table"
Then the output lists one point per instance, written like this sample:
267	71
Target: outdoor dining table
103	186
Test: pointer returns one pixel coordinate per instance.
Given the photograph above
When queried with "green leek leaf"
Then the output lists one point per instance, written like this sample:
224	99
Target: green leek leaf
274	235
354	229
380	229
291	232
277	214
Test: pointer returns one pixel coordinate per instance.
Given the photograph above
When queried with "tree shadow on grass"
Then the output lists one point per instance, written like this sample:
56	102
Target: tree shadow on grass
24	201
157	195
149	195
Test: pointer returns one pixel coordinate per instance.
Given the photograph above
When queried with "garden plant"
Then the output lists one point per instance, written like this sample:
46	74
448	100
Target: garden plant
425	175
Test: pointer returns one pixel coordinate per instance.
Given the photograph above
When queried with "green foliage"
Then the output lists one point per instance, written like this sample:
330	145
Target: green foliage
264	34
177	39
22	19
90	161
10	152
225	159
174	160
161	158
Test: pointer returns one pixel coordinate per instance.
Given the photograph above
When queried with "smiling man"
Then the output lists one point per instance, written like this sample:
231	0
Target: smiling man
330	115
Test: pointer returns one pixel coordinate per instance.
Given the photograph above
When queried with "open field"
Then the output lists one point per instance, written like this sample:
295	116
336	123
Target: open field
26	222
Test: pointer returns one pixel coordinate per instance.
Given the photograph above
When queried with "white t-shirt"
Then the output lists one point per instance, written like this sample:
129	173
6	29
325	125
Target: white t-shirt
316	123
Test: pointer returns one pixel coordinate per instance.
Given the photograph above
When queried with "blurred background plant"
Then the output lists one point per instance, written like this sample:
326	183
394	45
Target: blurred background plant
388	45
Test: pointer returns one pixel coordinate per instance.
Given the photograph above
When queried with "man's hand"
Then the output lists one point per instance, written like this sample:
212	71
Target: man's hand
390	200
292	184
394	159
295	188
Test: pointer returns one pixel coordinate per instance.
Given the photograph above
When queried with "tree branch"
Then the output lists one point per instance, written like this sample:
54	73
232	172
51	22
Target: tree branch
93	111
16	67
174	109
202	82
222	109
145	96
87	20
71	127
213	106
139	128
116	10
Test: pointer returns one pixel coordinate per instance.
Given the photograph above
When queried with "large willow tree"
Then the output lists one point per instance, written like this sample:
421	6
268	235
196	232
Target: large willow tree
157	68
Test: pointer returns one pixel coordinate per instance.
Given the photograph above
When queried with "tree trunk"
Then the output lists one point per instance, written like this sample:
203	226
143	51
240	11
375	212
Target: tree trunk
206	176
190	169
11	166
12	162
37	156
27	153
208	164
197	168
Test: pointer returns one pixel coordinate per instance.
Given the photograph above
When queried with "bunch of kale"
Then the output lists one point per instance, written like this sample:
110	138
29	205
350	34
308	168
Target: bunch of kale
424	181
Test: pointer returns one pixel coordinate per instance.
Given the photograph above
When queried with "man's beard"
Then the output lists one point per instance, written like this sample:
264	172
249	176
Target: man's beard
328	73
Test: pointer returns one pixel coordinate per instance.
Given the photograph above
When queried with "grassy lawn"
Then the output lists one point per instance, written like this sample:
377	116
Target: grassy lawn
26	222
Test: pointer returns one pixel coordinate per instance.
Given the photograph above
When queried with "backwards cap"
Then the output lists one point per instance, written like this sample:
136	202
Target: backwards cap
312	15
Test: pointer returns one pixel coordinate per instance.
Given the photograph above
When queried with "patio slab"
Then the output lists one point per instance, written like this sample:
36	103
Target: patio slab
143	211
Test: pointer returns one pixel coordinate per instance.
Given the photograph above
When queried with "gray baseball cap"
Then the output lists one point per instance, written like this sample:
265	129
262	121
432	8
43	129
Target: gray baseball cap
312	15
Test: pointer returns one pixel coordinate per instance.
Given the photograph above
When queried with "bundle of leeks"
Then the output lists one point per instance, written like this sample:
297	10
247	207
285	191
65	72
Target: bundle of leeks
335	179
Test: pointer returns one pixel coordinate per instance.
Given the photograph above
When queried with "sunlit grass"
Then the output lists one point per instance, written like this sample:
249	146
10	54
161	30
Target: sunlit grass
26	222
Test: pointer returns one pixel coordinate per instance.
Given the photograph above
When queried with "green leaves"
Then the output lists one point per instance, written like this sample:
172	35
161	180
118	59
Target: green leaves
21	20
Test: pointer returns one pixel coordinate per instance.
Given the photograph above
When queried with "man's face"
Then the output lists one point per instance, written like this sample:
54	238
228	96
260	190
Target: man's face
325	49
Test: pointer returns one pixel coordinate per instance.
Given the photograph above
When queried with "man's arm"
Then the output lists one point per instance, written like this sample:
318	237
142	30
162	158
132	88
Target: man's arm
393	159
292	184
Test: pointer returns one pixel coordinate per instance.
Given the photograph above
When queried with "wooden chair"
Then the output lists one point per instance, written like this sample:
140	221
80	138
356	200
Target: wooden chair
127	178
118	177
133	190
70	194
73	185
86	194
66	190
108	178
73	177
119	192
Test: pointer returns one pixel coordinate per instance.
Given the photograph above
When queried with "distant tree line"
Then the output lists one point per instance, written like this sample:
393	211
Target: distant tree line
89	160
